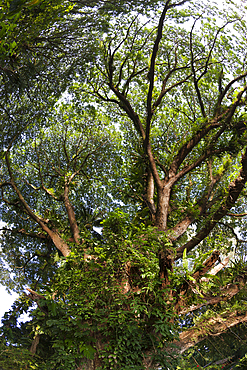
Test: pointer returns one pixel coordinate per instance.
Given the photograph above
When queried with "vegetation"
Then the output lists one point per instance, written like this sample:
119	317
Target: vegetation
123	184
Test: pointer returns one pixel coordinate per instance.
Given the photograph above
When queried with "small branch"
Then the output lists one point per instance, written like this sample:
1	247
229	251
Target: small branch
165	91
132	75
34	296
128	54
5	183
237	215
26	233
84	162
211	49
111	56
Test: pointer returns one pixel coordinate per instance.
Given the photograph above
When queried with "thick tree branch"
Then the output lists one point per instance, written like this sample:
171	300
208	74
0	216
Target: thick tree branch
234	191
231	110
123	101
217	268
217	324
224	117
34	344
226	293
150	192
152	69
213	326
151	72
183	290
71	215
126	106
187	147
57	240
180	228
153	166
210	262
227	88
64	145
202	205
209	152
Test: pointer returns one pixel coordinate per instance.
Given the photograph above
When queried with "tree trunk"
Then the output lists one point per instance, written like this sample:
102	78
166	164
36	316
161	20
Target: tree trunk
161	215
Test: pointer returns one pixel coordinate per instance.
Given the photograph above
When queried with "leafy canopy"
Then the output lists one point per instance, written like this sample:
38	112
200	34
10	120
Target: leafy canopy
131	119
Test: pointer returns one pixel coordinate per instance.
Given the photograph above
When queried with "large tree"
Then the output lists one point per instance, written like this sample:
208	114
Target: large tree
148	141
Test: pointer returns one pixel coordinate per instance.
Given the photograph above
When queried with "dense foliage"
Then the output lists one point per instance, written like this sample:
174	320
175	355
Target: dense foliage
123	184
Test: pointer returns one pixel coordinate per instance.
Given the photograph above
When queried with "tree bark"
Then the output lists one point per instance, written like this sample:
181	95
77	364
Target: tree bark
163	200
34	345
150	193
